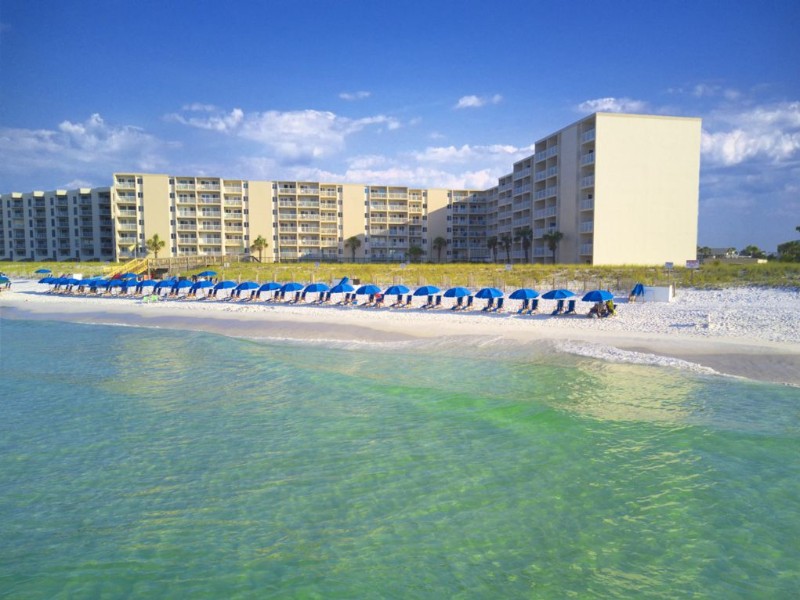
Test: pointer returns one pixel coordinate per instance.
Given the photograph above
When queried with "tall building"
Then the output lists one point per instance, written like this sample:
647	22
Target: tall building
57	225
620	189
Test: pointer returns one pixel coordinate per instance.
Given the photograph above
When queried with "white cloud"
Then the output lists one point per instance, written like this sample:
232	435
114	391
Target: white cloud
477	101
626	105
507	154
199	107
300	135
733	136
88	151
351	96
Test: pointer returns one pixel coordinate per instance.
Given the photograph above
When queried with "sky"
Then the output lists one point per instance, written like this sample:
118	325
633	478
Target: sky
421	93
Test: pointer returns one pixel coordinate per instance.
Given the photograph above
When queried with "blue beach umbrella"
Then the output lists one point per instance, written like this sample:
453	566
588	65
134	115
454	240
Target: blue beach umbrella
270	286
598	296
225	285
342	288
207	274
146	283
638	290
183	284
165	283
368	289
4	280
47	280
557	295
114	283
312	288
246	286
524	294
42	271
427	290
487	293
396	290
457	292
292	286
200	285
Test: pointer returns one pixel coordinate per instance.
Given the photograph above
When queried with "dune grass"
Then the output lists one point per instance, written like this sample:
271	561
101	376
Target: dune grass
576	277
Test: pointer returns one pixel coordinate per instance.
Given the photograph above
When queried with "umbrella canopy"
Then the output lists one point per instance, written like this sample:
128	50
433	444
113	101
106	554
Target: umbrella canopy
342	288
316	287
164	283
524	294
427	290
42	271
557	295
225	285
597	296
368	289
4	280
270	287
247	286
183	284
47	280
199	285
638	290
457	292
115	283
207	274
487	293
396	290
146	283
292	286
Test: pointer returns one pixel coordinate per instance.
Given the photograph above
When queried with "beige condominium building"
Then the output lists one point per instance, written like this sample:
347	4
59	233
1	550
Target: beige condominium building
621	189
57	225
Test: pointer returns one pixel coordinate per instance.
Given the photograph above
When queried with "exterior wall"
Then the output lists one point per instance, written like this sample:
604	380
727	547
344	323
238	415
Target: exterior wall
258	202
352	198
646	189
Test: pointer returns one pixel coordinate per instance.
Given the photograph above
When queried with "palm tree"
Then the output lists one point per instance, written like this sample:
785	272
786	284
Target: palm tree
258	245
491	244
552	238
155	244
439	244
415	253
505	241
525	235
354	244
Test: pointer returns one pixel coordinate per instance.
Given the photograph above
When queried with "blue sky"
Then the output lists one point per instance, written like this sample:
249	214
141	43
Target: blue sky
439	94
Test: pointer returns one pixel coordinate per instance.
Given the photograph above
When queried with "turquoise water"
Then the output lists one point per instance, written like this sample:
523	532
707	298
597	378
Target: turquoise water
144	463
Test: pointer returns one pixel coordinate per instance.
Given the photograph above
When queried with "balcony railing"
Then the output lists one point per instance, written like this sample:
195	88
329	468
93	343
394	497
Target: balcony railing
587	181
587	227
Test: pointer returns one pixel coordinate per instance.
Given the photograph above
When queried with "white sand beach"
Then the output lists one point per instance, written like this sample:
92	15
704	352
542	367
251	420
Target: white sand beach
747	332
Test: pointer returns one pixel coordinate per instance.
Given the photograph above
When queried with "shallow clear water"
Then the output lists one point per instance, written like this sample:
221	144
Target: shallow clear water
146	463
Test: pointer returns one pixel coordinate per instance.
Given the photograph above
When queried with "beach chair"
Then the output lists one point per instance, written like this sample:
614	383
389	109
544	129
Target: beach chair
570	308
499	306
325	298
534	306
428	303
468	303
438	303
524	308
489	306
559	308
459	304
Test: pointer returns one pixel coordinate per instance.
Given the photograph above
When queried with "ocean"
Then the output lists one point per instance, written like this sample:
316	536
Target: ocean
145	463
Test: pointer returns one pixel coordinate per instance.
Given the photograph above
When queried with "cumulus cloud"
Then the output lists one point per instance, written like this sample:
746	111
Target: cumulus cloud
293	136
86	150
770	133
351	96
477	101
626	105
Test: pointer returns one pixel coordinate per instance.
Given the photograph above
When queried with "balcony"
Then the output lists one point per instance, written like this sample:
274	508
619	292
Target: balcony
546	193
586	249
233	189
233	201
544	213
587	227
522	173
328	192
587	204
309	191
587	181
126	183
588	136
545	154
588	158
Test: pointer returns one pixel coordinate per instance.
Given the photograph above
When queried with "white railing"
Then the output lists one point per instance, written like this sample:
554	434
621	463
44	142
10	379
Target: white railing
587	159
586	249
522	173
588	136
587	204
587	181
546	193
587	227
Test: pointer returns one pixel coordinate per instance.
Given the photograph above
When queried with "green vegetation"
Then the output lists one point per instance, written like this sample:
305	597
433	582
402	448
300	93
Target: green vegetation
713	274
155	244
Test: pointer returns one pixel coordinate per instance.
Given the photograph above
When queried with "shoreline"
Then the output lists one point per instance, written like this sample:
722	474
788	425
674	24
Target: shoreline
756	356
